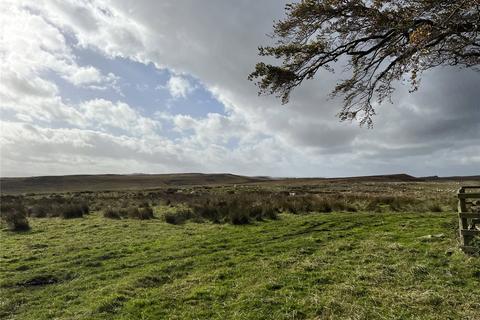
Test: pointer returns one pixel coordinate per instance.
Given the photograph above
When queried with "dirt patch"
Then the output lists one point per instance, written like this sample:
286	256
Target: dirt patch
38	281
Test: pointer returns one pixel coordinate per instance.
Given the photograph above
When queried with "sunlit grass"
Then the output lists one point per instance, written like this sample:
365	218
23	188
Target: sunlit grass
325	266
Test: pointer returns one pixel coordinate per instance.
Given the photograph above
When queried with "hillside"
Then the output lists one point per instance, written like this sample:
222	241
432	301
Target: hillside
70	183
115	182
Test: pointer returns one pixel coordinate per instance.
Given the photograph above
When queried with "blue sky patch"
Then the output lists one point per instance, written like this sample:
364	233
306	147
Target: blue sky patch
143	87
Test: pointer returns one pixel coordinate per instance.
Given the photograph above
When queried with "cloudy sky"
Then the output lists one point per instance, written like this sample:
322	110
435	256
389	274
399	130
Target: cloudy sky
161	86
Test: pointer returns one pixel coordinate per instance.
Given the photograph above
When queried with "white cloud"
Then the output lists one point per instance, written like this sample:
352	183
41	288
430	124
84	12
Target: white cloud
101	114
179	87
29	148
85	75
97	24
31	45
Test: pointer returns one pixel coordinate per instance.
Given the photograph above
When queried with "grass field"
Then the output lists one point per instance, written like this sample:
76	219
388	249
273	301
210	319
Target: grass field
337	265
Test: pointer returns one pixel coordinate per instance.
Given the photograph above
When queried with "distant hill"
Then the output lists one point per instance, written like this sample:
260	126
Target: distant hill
68	183
452	178
401	177
116	182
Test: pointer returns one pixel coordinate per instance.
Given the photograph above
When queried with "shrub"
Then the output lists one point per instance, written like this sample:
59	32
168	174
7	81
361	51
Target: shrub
15	217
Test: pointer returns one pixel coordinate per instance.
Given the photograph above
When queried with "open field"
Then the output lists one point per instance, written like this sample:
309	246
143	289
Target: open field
332	250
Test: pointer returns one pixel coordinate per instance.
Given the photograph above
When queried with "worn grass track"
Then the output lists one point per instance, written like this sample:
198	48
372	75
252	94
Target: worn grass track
324	266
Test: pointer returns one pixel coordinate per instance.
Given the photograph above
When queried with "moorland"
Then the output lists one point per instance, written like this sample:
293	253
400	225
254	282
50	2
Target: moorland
195	246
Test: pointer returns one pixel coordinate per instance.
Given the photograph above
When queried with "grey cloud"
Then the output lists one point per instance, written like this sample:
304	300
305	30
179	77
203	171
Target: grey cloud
216	41
81	16
23	86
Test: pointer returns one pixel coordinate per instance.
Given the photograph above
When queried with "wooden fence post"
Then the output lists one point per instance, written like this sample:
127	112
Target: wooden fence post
463	222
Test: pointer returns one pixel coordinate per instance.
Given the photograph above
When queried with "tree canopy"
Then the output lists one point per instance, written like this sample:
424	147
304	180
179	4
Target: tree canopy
382	41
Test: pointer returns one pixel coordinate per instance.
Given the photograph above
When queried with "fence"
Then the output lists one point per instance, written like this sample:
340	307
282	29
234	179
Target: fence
469	217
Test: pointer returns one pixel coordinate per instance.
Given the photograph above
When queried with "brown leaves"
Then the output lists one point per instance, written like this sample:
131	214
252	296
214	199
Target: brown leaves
421	35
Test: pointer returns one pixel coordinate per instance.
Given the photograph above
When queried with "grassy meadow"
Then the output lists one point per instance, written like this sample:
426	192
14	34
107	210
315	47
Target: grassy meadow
329	250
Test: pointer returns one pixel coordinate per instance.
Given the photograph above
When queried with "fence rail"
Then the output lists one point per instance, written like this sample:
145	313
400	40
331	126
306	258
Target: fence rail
468	217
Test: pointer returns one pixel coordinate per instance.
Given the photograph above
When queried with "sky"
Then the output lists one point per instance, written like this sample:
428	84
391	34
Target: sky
136	86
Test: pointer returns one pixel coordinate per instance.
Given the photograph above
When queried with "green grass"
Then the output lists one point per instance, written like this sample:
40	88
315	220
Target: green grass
317	266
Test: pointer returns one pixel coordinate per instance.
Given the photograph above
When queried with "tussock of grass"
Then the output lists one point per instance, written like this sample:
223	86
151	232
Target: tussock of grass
145	212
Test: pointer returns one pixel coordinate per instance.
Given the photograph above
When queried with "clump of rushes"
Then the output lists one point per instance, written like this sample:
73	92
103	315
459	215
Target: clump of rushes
394	203
180	215
234	209
73	210
112	213
38	211
144	212
14	216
